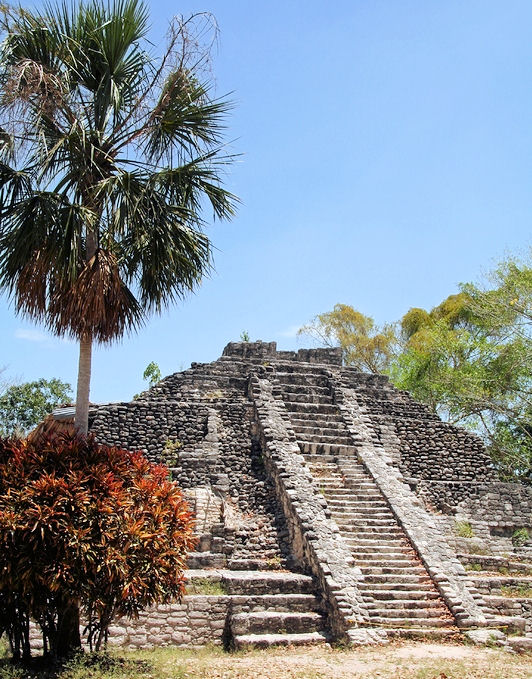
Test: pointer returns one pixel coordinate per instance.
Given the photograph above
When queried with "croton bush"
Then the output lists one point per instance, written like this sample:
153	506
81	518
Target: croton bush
84	529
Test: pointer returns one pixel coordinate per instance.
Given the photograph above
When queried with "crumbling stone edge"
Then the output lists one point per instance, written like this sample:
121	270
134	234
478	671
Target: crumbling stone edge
447	573
316	542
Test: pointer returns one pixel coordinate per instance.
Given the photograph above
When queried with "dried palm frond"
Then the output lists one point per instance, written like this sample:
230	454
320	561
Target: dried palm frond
97	304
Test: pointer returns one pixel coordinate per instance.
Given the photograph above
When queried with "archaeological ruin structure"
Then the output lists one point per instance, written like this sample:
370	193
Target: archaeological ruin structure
329	507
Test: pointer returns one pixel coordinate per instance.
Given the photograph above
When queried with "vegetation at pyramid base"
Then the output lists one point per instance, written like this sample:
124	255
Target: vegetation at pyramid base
84	528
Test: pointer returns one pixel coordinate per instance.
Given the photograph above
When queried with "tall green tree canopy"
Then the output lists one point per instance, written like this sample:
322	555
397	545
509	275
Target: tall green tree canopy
110	155
470	359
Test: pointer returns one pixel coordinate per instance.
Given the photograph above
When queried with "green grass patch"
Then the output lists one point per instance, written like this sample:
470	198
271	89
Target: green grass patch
463	529
517	591
206	586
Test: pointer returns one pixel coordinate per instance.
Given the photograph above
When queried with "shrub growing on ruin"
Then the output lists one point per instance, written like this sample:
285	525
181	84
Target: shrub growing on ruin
84	528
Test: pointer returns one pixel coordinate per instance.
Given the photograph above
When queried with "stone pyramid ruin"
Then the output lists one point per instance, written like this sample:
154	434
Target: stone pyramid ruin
329	507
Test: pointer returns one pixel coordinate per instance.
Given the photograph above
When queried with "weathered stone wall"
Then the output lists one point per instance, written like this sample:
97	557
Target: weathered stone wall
196	621
428	448
207	444
495	512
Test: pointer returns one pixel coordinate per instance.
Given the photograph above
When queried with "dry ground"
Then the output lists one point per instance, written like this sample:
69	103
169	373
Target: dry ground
396	661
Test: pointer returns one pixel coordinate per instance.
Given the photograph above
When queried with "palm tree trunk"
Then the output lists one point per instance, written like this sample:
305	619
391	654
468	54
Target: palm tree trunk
84	381
85	356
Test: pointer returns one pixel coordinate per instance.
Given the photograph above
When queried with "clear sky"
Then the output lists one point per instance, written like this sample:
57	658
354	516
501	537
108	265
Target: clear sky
387	157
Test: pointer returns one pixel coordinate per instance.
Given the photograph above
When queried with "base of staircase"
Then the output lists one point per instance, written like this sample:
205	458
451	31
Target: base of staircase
266	640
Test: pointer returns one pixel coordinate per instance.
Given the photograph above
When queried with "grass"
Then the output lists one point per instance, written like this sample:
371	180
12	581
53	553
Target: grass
395	661
206	586
517	591
463	529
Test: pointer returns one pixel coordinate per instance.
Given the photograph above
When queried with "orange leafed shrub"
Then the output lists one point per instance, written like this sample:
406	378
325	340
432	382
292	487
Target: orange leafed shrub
85	527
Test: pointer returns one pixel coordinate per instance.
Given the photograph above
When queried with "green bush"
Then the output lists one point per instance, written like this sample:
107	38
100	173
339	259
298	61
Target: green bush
520	537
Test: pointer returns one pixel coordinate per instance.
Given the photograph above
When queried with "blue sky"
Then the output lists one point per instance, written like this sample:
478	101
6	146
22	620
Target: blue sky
386	157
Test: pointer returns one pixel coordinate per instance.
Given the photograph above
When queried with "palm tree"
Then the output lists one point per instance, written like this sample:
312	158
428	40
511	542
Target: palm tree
109	158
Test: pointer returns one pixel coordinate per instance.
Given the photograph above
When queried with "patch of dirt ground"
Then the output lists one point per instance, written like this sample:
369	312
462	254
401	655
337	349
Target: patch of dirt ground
395	661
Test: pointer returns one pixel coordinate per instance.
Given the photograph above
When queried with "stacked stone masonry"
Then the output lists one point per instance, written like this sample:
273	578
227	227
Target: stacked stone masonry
328	504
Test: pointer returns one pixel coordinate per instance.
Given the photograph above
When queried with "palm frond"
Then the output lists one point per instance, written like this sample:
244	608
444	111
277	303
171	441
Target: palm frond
185	118
97	304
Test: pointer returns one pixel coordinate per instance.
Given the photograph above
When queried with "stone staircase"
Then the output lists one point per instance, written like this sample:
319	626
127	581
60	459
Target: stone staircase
266	608
398	591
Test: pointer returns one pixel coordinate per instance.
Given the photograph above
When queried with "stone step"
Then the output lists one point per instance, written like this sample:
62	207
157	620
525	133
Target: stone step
363	494
206	560
306	409
304	389
383	559
316	379
393	579
355	541
521	644
510	624
403	599
388	588
433	633
380	516
378	551
360	490
313	448
327	461
318	399
311	430
354	508
349	532
363	521
267	640
405	622
275	622
322	439
365	506
413	613
295	603
256	582
391	570
328	419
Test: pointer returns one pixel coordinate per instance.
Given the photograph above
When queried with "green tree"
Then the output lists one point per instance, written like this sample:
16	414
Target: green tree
109	156
23	406
152	374
365	345
470	359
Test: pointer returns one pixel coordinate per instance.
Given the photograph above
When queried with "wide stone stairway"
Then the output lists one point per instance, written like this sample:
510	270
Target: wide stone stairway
398	591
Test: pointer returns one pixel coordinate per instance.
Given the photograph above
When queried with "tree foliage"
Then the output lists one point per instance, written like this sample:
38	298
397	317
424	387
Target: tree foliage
152	374
365	345
85	525
108	157
23	406
469	359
